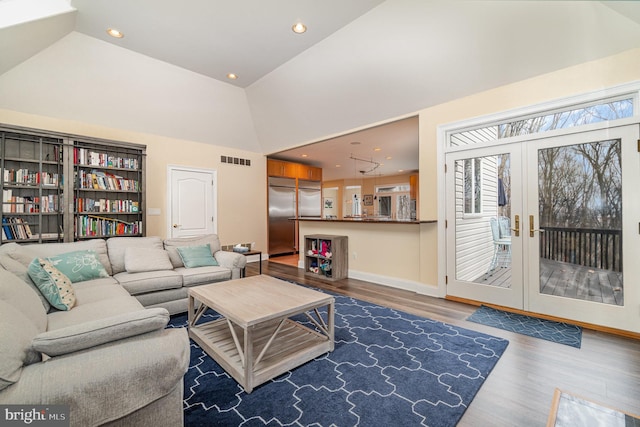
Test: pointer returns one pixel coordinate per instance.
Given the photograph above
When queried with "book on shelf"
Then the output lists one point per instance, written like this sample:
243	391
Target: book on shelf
100	180
98	226
16	229
88	204
87	157
24	176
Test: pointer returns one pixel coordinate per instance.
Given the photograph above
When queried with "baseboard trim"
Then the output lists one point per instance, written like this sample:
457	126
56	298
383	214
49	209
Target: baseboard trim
585	325
394	282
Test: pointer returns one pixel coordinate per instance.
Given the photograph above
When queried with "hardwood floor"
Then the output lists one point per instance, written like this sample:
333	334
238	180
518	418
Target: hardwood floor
520	389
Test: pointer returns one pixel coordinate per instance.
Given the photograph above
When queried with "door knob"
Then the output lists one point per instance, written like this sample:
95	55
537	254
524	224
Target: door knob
176	225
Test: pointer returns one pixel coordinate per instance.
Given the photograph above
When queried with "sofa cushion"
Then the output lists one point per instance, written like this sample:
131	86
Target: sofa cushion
149	281
160	297
98	292
202	275
91	311
149	259
171	246
21	296
197	256
93	333
14	266
52	283
117	247
16	333
26	253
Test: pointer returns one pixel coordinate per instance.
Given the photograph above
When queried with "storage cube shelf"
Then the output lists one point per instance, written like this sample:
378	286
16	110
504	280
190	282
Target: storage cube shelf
326	256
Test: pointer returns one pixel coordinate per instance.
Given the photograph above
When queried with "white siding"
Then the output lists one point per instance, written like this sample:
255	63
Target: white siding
474	243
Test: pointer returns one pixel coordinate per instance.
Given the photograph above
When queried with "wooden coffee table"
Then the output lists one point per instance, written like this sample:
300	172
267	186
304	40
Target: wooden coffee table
256	340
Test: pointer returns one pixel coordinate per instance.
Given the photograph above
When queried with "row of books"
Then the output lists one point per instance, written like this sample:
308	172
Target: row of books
24	176
92	226
30	204
99	180
15	229
86	157
85	204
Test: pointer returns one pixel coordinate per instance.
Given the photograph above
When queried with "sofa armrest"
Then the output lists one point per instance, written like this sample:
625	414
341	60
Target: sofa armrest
96	332
105	383
230	260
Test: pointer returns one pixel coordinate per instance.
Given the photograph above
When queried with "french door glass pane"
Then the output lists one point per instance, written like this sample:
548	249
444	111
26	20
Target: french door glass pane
482	220
580	218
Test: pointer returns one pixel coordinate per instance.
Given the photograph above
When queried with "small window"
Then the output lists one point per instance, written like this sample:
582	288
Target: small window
472	186
596	112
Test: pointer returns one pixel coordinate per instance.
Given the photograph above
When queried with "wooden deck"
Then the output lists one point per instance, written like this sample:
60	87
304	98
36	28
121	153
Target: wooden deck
568	280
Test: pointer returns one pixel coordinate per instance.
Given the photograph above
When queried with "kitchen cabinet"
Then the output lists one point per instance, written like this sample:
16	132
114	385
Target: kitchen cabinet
310	173
282	169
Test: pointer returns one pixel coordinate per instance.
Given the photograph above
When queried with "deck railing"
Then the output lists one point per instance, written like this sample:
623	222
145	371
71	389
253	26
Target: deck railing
589	247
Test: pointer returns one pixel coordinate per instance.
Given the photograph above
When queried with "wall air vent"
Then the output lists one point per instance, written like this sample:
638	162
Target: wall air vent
235	161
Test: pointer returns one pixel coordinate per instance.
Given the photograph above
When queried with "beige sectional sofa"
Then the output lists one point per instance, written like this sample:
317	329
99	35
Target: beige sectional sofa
110	357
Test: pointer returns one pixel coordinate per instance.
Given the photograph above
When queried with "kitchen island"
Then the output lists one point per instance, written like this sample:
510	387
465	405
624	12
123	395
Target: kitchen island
384	251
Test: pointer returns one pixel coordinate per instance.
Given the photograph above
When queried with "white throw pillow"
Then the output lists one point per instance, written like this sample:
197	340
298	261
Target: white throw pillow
138	260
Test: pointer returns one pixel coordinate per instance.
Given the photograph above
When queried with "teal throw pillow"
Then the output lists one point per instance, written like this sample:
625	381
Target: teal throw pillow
52	283
79	266
196	256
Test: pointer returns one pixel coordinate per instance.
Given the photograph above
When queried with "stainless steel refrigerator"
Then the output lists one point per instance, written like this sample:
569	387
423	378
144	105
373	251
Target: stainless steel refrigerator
282	211
309	199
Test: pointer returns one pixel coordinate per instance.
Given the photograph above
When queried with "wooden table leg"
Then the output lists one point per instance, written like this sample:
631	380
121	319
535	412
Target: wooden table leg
330	322
190	311
248	360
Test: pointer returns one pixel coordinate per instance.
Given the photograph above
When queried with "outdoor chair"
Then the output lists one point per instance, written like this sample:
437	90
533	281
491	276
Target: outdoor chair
501	233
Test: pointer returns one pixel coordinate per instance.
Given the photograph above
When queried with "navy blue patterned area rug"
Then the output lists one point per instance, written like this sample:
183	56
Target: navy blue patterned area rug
562	333
388	368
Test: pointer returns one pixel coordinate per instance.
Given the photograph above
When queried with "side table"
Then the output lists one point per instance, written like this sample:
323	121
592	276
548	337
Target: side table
251	252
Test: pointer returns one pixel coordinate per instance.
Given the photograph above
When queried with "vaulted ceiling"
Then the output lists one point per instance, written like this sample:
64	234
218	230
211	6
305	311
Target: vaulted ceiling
360	62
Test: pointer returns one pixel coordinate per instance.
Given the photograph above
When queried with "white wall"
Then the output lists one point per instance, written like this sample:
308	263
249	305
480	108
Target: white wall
87	80
407	55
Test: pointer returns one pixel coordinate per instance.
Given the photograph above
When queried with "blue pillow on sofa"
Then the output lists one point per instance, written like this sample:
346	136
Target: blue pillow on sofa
79	266
196	256
52	283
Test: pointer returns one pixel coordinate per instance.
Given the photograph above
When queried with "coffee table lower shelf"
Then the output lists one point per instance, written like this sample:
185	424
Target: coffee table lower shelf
292	346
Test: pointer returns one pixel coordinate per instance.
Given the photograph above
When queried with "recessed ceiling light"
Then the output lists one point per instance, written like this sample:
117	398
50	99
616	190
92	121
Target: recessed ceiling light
377	149
115	33
305	155
389	157
400	170
299	28
232	76
338	166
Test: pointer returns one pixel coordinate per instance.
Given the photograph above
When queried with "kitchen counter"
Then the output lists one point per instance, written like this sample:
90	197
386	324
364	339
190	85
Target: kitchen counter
365	219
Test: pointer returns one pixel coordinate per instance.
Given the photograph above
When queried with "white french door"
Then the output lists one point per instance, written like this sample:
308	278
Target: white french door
574	202
583	198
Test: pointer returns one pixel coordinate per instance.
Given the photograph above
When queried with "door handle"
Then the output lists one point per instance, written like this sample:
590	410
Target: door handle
517	225
176	225
531	229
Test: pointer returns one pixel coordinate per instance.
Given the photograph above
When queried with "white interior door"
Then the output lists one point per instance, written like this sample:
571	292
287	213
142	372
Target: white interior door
484	207
192	202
